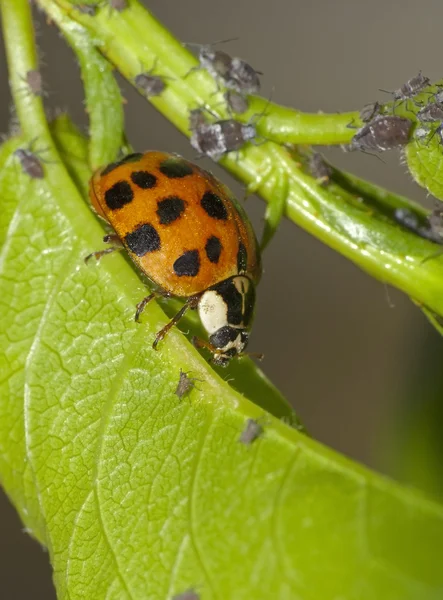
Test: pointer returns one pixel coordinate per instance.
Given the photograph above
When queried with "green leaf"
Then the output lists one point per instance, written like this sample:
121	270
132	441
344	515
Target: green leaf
138	494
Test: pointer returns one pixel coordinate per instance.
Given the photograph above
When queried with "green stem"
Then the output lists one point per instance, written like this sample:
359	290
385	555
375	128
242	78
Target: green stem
122	38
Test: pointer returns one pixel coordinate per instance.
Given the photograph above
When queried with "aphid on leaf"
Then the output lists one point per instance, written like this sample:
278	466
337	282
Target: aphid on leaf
410	89
30	164
188	595
233	73
431	113
185	384
319	168
251	432
187	233
380	134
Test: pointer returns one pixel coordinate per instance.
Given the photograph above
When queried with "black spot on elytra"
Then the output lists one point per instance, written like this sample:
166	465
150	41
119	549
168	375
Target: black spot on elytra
143	239
118	195
170	209
187	264
213	249
214	206
175	168
127	159
144	179
242	258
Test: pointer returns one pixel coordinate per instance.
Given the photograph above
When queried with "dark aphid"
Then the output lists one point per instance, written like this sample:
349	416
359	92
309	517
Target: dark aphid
432	230
87	9
30	164
319	168
431	113
411	88
234	73
251	432
151	85
370	111
197	118
118	5
185	384
219	138
35	82
382	133
188	595
236	102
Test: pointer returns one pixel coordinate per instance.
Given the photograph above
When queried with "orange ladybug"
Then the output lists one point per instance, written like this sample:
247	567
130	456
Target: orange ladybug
187	233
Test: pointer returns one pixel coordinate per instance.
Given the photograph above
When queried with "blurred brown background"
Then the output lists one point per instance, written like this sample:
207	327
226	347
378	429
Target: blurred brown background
343	355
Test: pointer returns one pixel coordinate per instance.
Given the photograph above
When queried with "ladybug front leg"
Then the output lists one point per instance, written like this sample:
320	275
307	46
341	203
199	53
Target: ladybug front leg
142	305
190	303
111	238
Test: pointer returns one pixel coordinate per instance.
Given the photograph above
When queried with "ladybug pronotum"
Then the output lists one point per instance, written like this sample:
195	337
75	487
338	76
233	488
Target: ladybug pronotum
187	233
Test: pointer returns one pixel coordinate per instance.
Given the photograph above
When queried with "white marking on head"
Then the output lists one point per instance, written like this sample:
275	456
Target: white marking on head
242	285
212	311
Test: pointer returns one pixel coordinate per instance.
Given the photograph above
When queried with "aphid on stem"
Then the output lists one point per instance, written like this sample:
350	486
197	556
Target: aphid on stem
234	73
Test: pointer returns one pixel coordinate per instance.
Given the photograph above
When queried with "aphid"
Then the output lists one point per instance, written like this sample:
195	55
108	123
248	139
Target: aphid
233	73
432	230
219	138
369	111
188	595
411	88
35	82
197	118
236	102
187	233
431	113
382	133
185	384
30	164
87	9
151	85
319	168
251	432
118	5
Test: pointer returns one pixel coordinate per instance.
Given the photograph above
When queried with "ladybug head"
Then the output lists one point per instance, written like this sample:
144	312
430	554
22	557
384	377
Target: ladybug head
226	311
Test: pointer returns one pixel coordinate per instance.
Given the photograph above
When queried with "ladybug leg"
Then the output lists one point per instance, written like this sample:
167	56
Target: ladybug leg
111	238
190	303
142	305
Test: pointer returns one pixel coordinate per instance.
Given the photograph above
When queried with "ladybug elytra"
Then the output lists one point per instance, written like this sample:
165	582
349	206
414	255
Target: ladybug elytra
187	233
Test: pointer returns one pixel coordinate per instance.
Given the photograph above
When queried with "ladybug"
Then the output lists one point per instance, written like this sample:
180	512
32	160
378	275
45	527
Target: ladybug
187	233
